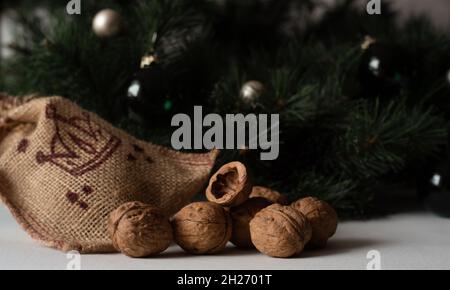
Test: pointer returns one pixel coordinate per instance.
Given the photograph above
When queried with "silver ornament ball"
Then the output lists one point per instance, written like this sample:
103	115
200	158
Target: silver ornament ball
251	91
107	23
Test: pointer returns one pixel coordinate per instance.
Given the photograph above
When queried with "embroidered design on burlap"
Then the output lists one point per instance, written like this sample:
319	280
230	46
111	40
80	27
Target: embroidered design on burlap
140	152
23	146
74	197
79	145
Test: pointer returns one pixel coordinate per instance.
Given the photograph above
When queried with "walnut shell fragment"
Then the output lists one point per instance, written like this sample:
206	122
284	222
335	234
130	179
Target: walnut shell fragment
323	219
271	195
139	230
280	231
202	228
230	186
241	217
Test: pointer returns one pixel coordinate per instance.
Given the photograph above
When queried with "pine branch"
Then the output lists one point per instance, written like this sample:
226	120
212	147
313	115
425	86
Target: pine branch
380	139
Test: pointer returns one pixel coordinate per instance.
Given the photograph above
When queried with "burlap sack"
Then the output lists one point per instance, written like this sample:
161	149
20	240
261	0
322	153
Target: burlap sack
63	170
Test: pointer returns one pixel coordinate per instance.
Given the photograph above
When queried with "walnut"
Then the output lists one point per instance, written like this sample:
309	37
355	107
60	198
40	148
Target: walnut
271	195
241	217
280	231
323	219
139	230
202	228
230	186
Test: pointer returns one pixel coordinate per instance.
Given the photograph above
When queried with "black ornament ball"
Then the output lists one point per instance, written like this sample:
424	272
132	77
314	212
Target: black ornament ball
148	96
382	70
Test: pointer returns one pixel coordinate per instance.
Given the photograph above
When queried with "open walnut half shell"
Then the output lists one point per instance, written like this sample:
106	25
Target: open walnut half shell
230	186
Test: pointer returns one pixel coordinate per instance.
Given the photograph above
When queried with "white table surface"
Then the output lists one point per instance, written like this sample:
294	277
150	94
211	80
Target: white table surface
405	241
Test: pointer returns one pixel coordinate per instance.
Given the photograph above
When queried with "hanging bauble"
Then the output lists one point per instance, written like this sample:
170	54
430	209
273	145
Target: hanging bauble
148	94
107	23
438	200
437	197
381	72
251	93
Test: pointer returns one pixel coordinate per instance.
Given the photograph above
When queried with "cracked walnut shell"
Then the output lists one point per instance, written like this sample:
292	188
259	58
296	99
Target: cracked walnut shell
202	228
230	186
241	217
271	195
323	219
139	230
280	231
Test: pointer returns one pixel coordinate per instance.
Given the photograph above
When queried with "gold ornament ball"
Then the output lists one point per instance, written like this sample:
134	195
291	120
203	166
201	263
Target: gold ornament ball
251	91
107	23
